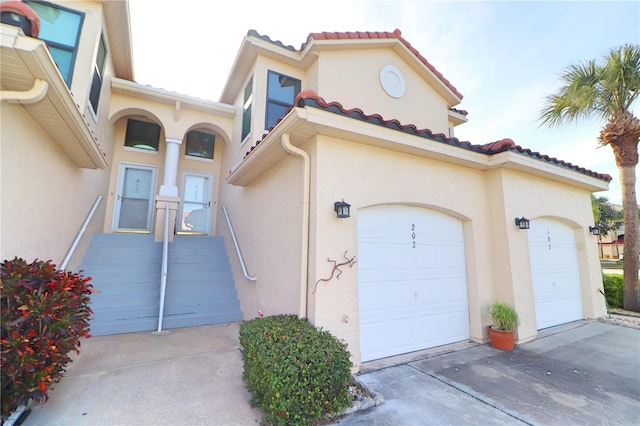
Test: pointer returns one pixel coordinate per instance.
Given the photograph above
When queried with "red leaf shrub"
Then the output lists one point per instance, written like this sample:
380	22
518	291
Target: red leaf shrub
44	313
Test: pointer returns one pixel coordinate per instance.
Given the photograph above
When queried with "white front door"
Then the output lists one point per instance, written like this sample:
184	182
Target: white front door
554	273
134	199
195	208
412	282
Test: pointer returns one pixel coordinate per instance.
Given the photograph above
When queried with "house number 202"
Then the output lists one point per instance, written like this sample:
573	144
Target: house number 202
413	235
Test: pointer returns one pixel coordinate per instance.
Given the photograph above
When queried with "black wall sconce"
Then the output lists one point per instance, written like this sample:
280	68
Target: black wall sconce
342	209
595	230
522	222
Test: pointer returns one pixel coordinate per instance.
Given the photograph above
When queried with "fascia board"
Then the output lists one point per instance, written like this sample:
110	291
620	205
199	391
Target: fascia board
118	23
250	49
533	166
457	118
316	121
158	95
268	152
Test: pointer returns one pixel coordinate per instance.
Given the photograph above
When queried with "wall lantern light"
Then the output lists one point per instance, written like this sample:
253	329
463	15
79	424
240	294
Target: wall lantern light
595	230
522	222
342	209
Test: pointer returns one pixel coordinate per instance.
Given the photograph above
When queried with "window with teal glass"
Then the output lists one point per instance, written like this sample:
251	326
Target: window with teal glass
60	29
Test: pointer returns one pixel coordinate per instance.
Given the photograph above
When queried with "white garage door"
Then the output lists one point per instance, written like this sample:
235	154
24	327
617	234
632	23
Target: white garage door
555	273
412	284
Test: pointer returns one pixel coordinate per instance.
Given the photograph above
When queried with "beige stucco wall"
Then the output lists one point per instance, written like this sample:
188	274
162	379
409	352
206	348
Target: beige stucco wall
176	119
421	105
353	79
266	215
267	218
486	201
484	198
366	176
533	197
45	196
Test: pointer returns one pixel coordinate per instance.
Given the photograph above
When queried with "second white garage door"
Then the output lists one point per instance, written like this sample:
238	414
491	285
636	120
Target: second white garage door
412	284
554	273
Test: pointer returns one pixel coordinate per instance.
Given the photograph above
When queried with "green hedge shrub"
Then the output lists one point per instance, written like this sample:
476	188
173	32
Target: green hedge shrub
613	288
44	312
295	372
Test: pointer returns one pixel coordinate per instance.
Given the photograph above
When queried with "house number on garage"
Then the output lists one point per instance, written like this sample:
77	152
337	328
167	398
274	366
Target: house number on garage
549	238
413	235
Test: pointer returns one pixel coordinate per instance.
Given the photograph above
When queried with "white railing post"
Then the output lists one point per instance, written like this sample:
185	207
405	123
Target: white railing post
81	232
165	256
235	243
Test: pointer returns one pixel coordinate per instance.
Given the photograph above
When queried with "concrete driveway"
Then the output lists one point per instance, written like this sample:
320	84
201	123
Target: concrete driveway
583	373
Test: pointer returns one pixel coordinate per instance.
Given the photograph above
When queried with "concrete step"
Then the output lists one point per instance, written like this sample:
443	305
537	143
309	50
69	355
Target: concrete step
126	270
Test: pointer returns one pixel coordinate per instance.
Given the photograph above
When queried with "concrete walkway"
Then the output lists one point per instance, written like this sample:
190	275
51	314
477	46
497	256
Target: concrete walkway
189	376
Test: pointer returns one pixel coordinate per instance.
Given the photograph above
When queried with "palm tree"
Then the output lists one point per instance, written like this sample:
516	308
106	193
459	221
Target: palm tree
606	90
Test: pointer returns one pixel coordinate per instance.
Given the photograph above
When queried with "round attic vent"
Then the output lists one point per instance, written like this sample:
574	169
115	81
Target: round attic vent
392	81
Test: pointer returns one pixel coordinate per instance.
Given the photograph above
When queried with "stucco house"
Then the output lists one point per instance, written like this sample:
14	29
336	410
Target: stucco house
251	189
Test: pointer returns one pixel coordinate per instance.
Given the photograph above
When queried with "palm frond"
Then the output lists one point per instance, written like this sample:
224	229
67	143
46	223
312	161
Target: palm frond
600	90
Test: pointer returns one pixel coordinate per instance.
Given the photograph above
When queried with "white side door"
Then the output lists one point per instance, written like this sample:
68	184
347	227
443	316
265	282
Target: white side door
195	209
134	199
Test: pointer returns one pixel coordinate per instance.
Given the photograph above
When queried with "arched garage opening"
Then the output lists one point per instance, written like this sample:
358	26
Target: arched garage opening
412	282
555	273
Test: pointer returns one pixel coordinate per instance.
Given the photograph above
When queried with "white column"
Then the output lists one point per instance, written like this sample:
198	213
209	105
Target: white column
168	187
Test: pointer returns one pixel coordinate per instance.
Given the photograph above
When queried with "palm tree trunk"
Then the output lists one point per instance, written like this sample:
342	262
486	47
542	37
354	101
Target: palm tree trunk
631	294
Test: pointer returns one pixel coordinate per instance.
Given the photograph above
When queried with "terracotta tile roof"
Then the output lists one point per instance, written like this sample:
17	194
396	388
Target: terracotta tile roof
309	98
362	35
459	111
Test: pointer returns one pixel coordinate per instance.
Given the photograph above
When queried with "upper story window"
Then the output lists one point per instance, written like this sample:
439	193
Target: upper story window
98	71
60	29
200	144
281	92
142	135
246	109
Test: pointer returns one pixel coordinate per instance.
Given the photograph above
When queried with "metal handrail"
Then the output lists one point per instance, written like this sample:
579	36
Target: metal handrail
165	261
81	232
235	243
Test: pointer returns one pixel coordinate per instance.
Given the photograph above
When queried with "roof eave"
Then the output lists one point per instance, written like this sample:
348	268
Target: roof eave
159	95
250	48
118	23
27	60
301	122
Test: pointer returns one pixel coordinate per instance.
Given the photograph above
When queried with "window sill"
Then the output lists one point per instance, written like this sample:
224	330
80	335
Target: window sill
194	158
143	151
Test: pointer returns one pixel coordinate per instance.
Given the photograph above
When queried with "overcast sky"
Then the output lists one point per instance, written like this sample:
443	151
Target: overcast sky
503	56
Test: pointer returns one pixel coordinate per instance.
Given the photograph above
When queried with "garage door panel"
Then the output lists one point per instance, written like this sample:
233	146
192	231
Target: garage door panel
554	272
412	280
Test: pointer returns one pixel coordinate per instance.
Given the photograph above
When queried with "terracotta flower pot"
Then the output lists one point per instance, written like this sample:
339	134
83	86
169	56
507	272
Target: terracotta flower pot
502	339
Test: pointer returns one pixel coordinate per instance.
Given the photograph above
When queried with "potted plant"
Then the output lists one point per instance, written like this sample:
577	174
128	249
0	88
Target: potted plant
505	321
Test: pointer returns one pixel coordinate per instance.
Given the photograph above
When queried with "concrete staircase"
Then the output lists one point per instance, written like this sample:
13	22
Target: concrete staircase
126	269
